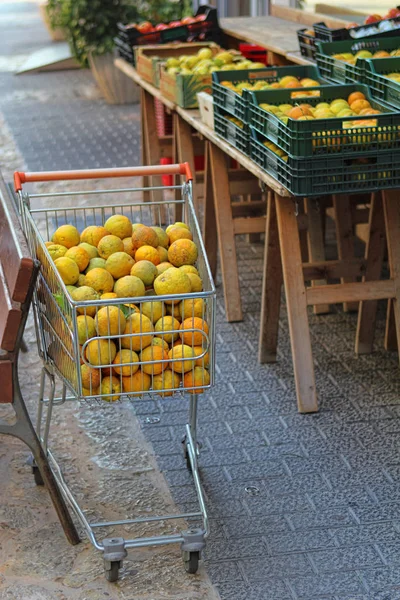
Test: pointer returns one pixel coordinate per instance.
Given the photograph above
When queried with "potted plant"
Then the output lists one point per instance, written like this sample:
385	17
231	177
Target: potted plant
49	13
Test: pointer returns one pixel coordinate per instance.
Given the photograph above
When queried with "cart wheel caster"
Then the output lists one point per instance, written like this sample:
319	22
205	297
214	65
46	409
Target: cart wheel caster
192	564
112	573
37	475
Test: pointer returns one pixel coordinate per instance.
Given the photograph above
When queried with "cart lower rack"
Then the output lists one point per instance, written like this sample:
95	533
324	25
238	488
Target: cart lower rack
124	306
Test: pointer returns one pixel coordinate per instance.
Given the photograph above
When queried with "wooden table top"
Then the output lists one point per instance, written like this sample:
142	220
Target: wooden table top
192	116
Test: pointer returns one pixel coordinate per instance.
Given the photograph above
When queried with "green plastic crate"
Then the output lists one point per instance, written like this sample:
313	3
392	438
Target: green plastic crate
338	71
324	136
320	176
383	88
229	131
236	104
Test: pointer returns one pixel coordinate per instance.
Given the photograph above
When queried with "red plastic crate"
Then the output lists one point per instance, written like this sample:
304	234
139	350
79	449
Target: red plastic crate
163	120
254	53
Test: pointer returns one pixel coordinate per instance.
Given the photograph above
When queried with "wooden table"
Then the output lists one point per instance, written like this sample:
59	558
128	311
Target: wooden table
282	257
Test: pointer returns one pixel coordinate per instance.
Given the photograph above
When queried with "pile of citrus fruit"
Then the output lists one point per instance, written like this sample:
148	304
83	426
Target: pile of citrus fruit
129	348
350	58
286	82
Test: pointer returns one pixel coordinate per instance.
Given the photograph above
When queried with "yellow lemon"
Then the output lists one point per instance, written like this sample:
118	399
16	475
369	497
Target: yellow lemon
119	225
66	235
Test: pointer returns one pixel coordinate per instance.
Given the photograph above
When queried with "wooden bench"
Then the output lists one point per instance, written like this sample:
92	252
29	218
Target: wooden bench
18	273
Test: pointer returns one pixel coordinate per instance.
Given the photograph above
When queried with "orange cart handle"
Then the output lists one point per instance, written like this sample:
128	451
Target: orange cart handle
178	169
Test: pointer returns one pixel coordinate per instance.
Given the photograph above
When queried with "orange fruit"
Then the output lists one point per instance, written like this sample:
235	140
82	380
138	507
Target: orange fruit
189	269
100	280
110	389
108	245
163	254
100	352
172	281
173	310
126	358
136	383
57	251
84	294
128	246
144	236
162	235
179	233
129	287
292	84
159	342
108	296
119	225
110	321
80	256
154	353
163	266
91	250
145	270
153	310
147	253
90	377
195	379
137	324
96	263
119	264
182	252
85	327
167	323
66	235
68	270
195	282
355	96
167	380
204	361
299	111
180	357
358	105
193	338
93	234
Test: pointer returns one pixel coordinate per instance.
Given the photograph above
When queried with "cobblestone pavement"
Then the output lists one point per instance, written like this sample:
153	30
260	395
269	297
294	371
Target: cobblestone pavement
303	507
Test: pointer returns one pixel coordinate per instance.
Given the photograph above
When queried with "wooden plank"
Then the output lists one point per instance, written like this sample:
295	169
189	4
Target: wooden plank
210	234
334	269
226	234
344	236
390	341
271	288
316	247
244	186
10	316
129	70
392	221
144	159
6	378
249	209
184	143
249	225
152	145
295	291
293	15
374	254
348	292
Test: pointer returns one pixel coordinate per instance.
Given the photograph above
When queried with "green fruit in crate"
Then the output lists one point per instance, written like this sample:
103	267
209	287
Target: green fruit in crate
172	62
225	57
205	53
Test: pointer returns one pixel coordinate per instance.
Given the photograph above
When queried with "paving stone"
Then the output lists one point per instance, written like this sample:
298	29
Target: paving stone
284	542
325	518
381	579
315	586
276	566
366	534
342	559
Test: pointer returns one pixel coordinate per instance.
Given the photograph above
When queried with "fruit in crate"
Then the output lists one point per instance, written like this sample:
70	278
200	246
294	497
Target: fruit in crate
128	347
351	59
206	62
286	82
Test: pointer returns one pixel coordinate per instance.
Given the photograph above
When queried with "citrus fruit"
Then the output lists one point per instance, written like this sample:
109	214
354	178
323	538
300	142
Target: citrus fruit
100	280
68	270
110	321
147	253
167	323
355	96
96	263
136	226
177	224
195	282
196	378
156	353
167	380
173	309
85	328
182	252
83	294
91	250
358	105
110	388
189	269
119	264
172	281
80	256
179	233
204	361
47	244
179	352
162	253
100	352
137	324
90	377
163	266
162	235
92	392
144	236
159	342
136	383
108	245
56	251
81	280
66	235
70	289
119	225
128	246
108	296
145	270
129	287
153	310
93	234
126	358
193	338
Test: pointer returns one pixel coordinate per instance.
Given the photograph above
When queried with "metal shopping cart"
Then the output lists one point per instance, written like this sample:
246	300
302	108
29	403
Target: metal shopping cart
121	357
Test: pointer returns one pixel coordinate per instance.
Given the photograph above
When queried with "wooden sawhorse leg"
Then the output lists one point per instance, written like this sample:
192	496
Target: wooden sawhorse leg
316	246
144	153
210	234
344	236
374	254
392	221
183	136
296	300
271	288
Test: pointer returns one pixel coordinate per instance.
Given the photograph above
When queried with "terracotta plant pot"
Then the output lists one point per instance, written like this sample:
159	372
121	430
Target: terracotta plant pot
114	85
57	35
